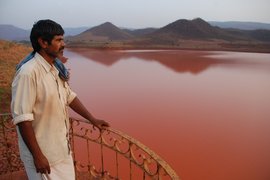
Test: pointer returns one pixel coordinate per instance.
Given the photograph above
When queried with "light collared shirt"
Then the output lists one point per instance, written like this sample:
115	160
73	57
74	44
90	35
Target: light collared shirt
40	96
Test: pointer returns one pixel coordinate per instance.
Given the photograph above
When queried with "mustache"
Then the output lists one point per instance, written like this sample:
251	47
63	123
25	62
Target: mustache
62	48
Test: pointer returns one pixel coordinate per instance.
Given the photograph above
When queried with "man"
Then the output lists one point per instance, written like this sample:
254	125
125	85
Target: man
40	97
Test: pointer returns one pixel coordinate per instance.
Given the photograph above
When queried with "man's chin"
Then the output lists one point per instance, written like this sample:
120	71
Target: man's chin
61	53
63	59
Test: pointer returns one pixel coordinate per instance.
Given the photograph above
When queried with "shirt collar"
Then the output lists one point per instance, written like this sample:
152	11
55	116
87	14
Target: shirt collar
45	64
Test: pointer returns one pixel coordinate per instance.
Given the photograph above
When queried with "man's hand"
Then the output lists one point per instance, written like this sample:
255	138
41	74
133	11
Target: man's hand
42	165
28	135
100	124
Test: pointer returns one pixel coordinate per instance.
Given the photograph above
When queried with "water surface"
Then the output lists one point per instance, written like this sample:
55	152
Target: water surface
206	113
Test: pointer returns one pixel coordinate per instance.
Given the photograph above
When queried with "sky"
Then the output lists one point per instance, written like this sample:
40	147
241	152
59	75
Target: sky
130	13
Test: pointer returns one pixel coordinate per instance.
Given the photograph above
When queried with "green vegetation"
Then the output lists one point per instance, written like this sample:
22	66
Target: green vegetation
10	54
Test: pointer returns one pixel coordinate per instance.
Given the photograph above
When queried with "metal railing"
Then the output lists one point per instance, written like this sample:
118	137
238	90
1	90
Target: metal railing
106	154
10	162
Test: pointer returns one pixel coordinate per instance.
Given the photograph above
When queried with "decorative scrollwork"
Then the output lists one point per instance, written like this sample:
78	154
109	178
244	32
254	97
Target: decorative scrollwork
9	152
135	152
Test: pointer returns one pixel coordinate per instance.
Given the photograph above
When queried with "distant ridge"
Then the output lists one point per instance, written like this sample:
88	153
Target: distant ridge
109	31
72	31
12	33
241	25
140	32
180	34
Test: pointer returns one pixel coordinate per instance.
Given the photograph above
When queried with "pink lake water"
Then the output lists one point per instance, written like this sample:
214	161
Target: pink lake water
206	113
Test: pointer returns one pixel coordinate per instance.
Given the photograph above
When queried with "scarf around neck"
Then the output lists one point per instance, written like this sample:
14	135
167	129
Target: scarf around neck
63	72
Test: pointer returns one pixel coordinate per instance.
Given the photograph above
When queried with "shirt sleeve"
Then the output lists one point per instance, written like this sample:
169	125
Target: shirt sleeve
23	98
70	94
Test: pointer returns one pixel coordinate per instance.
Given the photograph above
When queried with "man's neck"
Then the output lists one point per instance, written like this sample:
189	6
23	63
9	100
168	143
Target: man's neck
47	57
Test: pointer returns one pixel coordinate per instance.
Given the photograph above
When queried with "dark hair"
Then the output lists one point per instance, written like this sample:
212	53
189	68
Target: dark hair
46	29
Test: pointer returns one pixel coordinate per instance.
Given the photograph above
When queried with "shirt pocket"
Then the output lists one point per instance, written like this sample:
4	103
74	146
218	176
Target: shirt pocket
47	89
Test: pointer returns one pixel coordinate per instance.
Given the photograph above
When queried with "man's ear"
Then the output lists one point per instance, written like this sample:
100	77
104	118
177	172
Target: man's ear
43	44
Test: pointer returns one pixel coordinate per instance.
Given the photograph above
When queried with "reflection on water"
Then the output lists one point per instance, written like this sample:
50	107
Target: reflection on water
186	61
206	113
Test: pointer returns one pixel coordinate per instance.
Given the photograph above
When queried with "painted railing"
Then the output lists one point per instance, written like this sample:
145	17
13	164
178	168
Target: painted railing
105	154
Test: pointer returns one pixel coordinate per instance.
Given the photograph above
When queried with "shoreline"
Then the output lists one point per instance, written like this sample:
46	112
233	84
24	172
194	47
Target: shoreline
252	48
173	49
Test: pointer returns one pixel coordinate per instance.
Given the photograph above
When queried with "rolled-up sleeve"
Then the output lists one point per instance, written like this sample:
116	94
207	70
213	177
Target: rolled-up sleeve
23	98
70	94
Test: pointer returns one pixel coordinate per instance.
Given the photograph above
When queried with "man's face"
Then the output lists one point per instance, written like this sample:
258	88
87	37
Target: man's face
56	48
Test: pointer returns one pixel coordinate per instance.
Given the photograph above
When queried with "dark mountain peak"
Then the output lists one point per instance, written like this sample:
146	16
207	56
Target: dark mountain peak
200	22
102	27
103	32
107	25
178	23
111	31
189	24
190	29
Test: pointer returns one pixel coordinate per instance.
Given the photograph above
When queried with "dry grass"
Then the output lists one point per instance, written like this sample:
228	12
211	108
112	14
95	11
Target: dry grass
10	54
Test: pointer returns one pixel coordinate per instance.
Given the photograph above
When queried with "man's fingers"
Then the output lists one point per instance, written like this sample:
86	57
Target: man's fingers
49	170
105	124
44	170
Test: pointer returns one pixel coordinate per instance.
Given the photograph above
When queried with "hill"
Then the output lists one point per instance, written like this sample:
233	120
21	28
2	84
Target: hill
12	33
104	32
198	29
187	29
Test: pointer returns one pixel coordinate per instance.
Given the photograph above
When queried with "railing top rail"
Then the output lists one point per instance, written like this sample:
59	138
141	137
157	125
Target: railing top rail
5	114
